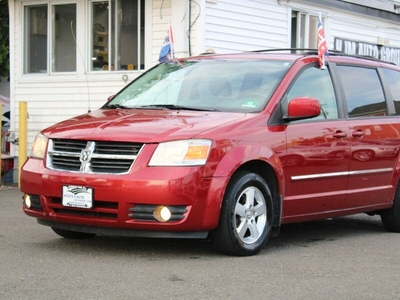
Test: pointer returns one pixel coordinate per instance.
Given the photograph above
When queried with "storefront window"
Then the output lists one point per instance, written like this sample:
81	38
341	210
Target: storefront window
36	39
64	36
44	33
117	35
304	30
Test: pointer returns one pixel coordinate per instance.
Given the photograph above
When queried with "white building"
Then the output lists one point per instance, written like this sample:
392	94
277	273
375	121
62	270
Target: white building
69	56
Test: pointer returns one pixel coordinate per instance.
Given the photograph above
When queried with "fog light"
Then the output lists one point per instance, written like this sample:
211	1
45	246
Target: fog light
27	201
162	213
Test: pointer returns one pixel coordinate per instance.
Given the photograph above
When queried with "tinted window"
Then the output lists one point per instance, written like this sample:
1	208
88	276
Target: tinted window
393	79
363	91
316	83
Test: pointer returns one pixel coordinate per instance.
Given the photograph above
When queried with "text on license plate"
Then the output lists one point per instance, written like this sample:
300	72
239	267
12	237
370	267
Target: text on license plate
77	196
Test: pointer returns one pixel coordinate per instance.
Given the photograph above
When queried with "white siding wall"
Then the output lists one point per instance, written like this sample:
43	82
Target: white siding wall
363	28
161	18
174	13
235	26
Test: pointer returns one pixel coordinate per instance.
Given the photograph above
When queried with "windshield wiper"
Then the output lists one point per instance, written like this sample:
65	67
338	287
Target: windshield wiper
174	107
162	106
116	106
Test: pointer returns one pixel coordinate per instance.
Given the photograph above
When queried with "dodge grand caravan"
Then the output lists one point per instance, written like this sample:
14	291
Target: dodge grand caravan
225	147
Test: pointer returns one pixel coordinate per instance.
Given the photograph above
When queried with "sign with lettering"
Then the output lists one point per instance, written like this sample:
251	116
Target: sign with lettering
385	53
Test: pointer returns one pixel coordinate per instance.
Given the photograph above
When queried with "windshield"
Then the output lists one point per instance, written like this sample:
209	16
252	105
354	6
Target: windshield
214	85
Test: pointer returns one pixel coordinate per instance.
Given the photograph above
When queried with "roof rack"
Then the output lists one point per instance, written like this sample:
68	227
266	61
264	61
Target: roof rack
310	51
293	50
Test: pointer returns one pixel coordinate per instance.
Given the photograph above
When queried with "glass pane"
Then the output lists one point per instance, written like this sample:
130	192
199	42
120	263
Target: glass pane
36	39
126	49
363	91
302	31
294	30
64	35
223	89
100	35
128	31
313	37
317	84
393	78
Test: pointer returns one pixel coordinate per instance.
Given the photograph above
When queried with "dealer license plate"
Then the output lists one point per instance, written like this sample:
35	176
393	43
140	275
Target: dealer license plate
77	196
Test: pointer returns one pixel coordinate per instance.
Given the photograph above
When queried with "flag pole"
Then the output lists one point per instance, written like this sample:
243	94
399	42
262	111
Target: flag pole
322	46
323	56
171	40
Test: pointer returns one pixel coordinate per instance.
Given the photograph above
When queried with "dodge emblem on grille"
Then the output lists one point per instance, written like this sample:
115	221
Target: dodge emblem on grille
86	154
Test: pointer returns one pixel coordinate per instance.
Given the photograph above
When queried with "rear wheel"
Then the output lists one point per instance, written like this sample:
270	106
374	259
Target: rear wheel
246	216
75	235
391	217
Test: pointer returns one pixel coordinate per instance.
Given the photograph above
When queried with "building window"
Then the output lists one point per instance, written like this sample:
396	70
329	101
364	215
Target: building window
50	38
117	35
304	30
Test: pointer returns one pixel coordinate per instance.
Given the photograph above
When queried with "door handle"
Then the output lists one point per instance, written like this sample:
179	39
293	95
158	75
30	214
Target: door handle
358	133
339	134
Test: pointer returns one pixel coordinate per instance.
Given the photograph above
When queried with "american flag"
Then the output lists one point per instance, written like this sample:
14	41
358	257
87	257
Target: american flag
322	48
167	49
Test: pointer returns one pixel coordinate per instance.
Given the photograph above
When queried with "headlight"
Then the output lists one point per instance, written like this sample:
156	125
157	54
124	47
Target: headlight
39	146
181	153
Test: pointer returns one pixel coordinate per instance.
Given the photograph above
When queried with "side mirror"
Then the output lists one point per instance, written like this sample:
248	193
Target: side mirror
110	98
302	108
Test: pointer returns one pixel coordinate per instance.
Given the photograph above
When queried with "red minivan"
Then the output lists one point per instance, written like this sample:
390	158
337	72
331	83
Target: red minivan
226	147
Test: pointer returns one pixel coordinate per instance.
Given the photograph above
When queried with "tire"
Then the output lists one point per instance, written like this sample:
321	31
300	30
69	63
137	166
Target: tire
391	217
74	235
246	216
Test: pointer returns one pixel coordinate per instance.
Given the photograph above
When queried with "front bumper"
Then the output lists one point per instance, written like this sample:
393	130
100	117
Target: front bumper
116	196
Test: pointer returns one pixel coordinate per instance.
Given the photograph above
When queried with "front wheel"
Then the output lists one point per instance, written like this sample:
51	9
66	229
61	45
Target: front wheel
75	235
246	216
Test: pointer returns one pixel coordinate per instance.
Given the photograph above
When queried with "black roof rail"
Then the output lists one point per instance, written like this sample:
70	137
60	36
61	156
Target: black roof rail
293	50
310	51
367	57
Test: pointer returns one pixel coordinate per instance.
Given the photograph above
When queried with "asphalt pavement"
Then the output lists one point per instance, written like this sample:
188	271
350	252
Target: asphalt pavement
344	258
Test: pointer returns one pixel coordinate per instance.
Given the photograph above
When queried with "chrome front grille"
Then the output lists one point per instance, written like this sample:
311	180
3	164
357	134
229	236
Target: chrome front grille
92	156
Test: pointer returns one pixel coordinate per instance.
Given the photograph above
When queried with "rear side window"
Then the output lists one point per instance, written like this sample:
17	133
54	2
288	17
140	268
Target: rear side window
363	91
393	79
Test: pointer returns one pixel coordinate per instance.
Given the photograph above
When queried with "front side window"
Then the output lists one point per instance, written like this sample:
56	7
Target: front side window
117	31
50	38
316	83
214	85
363	91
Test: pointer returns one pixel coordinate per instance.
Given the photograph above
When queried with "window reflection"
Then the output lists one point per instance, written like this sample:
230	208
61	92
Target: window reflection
363	91
393	78
118	35
36	39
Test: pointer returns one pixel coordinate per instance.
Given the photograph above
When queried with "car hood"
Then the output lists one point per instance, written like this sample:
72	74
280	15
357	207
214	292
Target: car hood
144	126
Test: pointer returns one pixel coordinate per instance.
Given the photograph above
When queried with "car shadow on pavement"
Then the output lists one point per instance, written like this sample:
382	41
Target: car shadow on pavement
306	233
291	235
